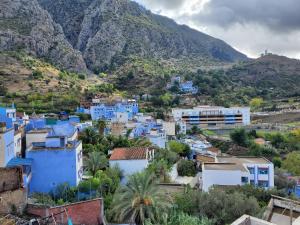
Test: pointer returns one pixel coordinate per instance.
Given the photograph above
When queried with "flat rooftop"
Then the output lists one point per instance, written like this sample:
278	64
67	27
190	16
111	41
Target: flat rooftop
235	163
38	131
243	160
224	166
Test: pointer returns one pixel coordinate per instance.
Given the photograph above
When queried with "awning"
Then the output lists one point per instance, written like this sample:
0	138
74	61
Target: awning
19	162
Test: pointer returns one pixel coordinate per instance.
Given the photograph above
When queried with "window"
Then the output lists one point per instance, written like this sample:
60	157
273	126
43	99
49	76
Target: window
263	171
252	182
244	179
251	170
263	183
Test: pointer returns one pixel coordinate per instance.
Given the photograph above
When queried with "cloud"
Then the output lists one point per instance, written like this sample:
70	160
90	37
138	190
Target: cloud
251	26
277	15
162	4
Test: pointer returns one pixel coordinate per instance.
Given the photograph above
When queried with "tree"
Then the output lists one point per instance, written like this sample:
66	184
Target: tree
101	125
218	205
255	103
96	161
139	200
292	163
160	168
186	168
89	136
239	136
179	148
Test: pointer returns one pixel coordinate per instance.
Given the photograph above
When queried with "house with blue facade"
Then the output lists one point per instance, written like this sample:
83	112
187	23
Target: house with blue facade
188	87
56	160
105	111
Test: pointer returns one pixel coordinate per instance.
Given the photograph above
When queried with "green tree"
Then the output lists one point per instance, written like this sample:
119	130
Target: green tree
139	200
179	148
255	103
96	161
292	163
161	169
89	136
217	205
186	168
101	125
239	136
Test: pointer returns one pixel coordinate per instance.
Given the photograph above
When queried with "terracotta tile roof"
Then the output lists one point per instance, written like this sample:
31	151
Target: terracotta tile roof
129	153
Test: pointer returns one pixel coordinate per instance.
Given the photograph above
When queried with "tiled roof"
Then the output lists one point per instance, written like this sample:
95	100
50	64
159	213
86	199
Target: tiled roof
129	153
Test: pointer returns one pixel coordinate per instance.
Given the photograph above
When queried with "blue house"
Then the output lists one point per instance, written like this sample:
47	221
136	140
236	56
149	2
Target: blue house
188	87
109	111
54	161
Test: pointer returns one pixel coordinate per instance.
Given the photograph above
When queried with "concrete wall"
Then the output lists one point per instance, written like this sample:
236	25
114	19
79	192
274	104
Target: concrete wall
53	167
35	137
129	167
86	212
220	177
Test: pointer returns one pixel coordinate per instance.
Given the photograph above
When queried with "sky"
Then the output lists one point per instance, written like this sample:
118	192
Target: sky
250	26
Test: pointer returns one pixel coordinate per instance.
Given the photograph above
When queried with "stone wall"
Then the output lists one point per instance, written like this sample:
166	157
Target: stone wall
10	179
13	201
85	212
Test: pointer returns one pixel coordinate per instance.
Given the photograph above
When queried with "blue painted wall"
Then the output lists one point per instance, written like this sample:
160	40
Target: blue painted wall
51	168
108	112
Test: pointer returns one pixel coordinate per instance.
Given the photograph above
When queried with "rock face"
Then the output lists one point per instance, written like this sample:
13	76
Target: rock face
105	32
25	25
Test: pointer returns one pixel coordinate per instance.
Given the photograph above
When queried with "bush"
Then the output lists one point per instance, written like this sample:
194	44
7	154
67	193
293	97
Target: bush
81	76
186	168
37	74
217	205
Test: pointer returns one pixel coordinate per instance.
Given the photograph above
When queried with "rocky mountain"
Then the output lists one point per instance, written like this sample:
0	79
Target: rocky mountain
98	34
25	25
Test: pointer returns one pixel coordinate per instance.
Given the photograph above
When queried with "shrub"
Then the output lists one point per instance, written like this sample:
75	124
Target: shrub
186	168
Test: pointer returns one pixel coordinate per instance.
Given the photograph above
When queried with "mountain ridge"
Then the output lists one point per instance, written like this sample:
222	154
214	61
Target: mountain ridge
102	34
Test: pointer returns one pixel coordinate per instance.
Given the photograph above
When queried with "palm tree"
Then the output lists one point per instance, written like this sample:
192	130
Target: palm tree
101	125
96	161
89	136
139	200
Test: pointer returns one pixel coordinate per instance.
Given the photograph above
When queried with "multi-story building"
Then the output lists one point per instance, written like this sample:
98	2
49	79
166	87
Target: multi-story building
7	150
54	161
234	171
108	111
213	116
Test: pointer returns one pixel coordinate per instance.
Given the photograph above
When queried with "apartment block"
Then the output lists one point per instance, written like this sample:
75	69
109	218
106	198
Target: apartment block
213	116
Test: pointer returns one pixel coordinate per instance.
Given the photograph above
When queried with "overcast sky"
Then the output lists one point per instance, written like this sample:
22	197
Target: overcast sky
250	26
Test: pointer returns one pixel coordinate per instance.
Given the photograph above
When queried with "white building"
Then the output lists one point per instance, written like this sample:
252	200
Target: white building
213	116
131	160
18	143
198	146
231	171
35	136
